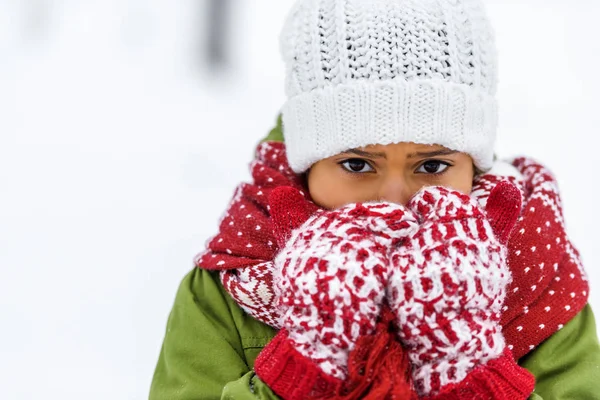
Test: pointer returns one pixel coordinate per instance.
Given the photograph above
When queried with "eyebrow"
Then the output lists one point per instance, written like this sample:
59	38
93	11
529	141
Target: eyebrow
420	154
435	153
363	153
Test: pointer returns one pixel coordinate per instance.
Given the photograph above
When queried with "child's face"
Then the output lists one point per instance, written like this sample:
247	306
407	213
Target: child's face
392	173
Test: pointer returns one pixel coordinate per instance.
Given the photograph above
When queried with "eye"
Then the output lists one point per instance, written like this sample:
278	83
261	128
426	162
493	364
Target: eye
433	167
356	165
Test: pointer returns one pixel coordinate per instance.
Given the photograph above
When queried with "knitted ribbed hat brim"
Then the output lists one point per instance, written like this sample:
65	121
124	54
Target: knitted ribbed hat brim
328	121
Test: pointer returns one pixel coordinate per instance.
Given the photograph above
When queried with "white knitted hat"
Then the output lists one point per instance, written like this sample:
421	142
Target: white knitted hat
361	72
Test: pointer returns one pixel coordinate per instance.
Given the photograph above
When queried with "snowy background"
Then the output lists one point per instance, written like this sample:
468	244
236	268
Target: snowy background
120	146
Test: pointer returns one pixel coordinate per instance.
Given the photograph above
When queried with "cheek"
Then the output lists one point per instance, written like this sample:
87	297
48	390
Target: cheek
459	178
462	180
465	187
325	191
330	189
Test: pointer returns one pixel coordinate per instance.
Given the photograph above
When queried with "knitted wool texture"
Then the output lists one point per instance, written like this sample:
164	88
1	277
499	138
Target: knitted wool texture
329	279
448	284
361	72
549	284
333	271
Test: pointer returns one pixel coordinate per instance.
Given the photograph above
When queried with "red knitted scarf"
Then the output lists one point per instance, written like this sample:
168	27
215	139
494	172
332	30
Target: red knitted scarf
549	284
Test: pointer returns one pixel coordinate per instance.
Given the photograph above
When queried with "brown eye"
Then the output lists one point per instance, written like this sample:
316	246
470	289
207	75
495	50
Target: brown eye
356	165
433	167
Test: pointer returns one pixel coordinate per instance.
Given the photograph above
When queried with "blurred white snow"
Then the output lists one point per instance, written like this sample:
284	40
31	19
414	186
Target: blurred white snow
120	149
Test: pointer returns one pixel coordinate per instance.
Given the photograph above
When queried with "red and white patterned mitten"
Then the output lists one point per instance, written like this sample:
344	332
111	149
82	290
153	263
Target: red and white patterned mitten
330	279
448	287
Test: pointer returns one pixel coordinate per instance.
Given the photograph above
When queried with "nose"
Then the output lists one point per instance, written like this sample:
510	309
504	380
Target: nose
395	189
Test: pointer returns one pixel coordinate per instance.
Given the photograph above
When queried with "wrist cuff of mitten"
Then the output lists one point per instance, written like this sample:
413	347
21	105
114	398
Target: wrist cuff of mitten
290	374
500	379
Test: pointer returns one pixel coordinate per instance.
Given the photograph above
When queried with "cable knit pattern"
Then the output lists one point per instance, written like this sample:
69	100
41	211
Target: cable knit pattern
387	71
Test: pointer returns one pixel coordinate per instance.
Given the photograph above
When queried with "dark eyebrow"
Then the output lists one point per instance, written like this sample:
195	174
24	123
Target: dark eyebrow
363	153
436	153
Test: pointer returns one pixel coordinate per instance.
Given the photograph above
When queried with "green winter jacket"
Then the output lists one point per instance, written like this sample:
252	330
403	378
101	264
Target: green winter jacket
210	346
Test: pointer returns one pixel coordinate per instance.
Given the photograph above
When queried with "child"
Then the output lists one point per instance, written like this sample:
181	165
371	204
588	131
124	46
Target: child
381	252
